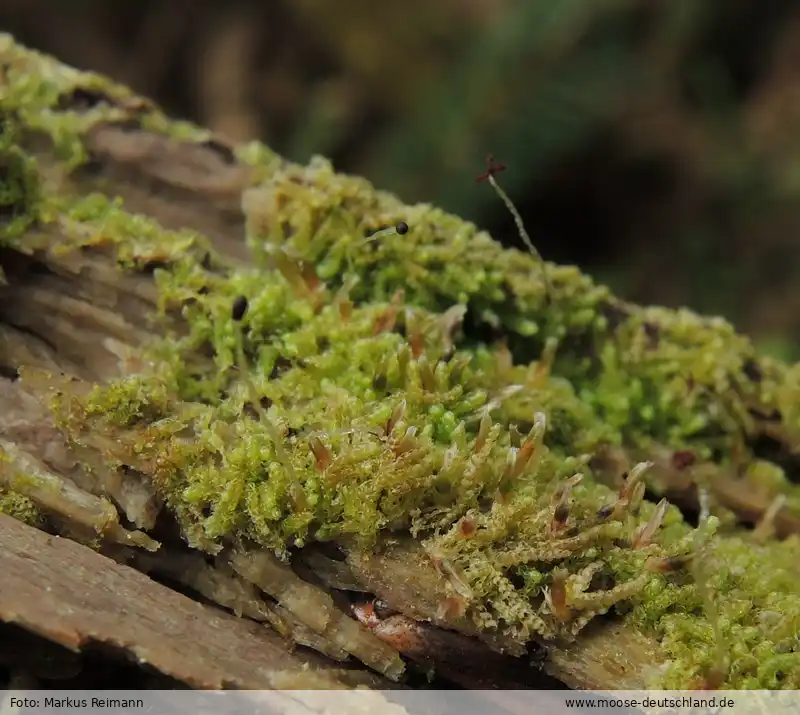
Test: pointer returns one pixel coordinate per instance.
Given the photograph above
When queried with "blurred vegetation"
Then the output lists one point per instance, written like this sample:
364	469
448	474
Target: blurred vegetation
653	142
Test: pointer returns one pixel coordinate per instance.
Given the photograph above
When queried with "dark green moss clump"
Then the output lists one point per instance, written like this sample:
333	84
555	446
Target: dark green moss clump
20	194
20	507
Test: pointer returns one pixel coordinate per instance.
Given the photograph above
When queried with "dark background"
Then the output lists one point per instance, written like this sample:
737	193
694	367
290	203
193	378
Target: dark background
655	143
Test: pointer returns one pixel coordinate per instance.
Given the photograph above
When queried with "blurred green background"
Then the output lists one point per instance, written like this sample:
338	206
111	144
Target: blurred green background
654	143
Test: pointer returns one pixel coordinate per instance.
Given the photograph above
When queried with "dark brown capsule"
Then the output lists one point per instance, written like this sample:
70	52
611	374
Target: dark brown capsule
401	228
239	308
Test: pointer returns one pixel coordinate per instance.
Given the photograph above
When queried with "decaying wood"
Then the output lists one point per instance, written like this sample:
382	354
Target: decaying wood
73	596
608	656
185	184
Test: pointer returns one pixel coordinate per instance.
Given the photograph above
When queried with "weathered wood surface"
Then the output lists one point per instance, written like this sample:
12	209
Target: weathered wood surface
78	598
606	656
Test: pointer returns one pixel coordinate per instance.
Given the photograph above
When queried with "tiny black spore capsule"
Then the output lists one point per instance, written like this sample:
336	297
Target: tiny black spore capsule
401	228
239	308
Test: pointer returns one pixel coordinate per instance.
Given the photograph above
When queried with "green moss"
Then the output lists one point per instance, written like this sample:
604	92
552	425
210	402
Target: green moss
20	194
228	478
758	616
331	384
331	379
650	373
19	507
139	243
